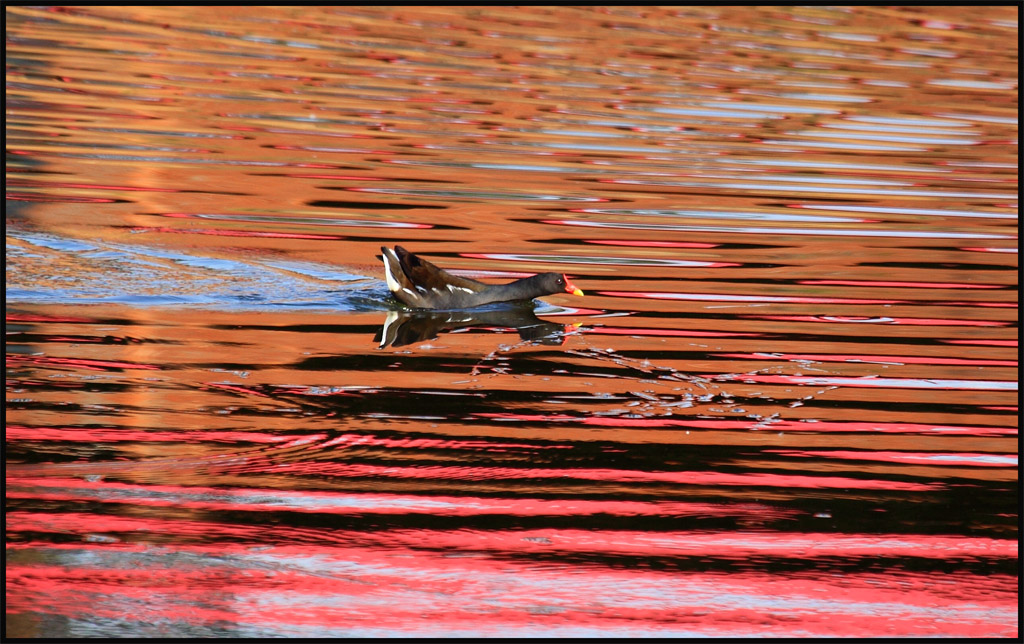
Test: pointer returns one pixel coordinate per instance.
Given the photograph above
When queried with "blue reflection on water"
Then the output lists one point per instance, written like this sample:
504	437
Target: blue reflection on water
105	272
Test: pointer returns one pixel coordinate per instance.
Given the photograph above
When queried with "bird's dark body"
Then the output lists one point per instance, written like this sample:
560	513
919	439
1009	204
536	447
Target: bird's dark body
420	284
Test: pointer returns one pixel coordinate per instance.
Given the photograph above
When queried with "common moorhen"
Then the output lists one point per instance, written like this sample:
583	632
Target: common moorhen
417	283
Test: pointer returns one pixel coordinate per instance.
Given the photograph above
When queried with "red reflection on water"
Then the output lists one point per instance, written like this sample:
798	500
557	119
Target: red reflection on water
76	339
979	249
406	591
232	233
650	244
608	330
738	544
87	186
30	317
596	260
352	440
896	284
341	177
871	381
283	220
482	273
886	320
29	196
775	425
272	500
922	458
242	574
95	365
116	434
462	473
235	389
310	148
822	357
720	297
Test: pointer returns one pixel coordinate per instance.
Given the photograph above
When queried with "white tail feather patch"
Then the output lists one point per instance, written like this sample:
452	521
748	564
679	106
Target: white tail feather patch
393	284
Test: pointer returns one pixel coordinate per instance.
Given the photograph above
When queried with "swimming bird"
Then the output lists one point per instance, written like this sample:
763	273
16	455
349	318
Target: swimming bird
417	283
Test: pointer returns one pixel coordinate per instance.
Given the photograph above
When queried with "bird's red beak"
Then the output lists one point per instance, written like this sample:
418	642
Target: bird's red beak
571	288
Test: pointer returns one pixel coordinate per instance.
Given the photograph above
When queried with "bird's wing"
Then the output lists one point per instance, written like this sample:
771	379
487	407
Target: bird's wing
428	276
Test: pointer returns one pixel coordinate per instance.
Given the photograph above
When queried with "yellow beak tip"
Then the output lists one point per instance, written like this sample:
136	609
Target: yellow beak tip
577	292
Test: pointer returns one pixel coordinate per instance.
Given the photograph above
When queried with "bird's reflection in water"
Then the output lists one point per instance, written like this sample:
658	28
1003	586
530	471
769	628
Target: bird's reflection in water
408	327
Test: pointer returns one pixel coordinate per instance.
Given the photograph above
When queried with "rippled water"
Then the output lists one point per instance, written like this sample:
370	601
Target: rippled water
786	406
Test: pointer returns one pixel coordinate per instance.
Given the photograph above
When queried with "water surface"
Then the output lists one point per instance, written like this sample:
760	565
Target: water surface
786	406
